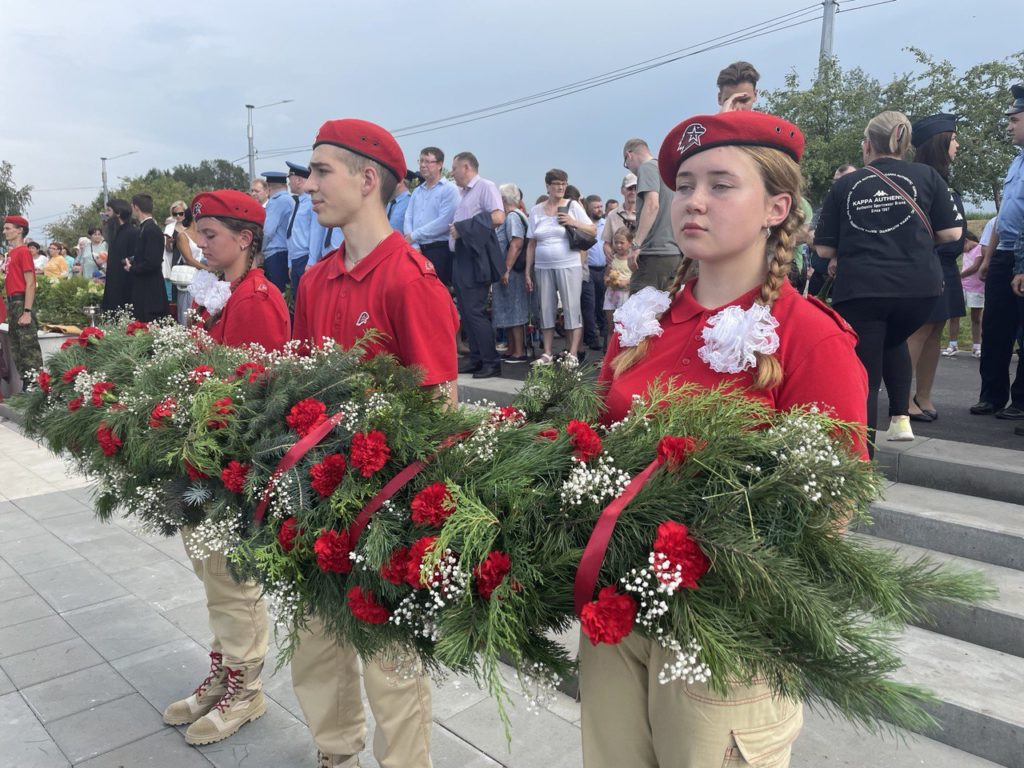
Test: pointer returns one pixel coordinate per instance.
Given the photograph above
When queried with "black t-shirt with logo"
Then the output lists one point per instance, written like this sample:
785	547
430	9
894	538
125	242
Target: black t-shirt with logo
884	249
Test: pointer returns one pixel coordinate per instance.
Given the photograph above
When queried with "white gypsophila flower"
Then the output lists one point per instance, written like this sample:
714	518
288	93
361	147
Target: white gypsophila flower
212	537
209	292
732	336
282	602
598	482
811	450
638	317
539	686
686	665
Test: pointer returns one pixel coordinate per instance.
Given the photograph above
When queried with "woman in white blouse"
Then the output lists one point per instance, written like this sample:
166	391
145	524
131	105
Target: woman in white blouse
557	270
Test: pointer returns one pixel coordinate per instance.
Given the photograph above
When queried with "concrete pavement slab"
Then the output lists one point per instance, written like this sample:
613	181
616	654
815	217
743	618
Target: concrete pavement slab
41	664
105	727
74	585
38	633
276	739
51	504
122	626
6	685
17	525
26	744
165	585
14	587
24	609
193	619
167	672
165	749
36	553
76	692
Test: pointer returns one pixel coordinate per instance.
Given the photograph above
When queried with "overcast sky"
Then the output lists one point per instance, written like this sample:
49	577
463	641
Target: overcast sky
171	81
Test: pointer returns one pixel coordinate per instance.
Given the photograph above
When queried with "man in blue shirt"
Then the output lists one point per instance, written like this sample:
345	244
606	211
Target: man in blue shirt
400	203
592	296
1004	305
322	240
275	231
298	224
431	210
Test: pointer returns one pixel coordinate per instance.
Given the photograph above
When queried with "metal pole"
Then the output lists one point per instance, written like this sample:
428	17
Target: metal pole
252	150
106	195
828	22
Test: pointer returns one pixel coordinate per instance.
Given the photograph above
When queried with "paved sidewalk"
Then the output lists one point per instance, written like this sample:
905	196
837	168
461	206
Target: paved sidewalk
102	626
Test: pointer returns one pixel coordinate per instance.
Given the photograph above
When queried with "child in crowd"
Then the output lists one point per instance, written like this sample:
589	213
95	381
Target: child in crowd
617	276
974	297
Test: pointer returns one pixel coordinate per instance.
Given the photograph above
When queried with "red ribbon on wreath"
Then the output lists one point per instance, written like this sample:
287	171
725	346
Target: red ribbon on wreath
593	555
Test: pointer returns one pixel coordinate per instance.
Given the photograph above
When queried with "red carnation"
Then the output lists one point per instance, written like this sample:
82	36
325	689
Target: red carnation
71	373
674	548
200	373
287	532
109	442
67	344
327	475
162	410
369	452
673	450
75	404
223	407
548	434
609	618
250	370
99	389
306	415
417	552
507	413
491	572
584	439
89	333
433	505
234	474
194	474
332	549
397	566
44	381
364	606
135	327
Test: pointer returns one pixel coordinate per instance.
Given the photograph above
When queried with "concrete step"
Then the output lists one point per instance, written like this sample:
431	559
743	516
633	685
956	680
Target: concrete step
979	691
998	624
976	528
946	465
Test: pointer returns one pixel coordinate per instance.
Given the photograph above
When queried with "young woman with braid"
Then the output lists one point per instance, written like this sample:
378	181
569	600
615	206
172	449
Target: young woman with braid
230	232
740	324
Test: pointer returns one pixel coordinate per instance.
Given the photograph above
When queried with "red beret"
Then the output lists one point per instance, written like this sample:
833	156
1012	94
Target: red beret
20	221
228	203
366	139
743	129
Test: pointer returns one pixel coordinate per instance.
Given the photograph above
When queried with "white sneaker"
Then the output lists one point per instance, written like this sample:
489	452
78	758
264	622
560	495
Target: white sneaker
976	352
950	351
899	429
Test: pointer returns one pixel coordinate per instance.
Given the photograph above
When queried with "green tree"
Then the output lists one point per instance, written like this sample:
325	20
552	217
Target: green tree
13	199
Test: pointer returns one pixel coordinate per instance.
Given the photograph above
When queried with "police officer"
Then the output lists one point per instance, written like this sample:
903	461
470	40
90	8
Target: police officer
21	294
1004	310
299	223
280	207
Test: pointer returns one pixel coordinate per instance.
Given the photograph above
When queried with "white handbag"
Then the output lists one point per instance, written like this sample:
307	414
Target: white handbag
182	275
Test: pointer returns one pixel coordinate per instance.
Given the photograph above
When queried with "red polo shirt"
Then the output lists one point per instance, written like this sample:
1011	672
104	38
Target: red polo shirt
395	290
255	313
19	261
816	350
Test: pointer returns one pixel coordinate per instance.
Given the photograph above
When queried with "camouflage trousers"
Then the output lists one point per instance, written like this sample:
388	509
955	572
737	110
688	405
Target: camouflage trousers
24	341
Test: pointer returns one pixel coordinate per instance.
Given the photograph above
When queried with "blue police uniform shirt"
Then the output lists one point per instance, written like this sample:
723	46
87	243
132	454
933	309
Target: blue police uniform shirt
430	212
595	256
397	209
1011	213
298	242
317	237
275	228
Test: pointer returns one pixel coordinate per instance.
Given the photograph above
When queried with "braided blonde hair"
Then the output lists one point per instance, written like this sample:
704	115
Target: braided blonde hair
781	175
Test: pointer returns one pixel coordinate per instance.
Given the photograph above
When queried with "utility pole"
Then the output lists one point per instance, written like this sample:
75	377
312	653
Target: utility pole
248	131
828	22
103	160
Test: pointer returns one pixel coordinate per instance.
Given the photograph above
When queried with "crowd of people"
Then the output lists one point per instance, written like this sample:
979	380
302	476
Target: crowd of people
701	273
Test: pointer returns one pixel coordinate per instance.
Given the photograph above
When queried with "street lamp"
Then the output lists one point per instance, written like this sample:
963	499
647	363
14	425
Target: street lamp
106	196
252	149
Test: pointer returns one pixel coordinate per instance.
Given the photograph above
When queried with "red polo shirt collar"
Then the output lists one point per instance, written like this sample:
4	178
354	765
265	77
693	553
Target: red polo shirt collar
385	248
685	307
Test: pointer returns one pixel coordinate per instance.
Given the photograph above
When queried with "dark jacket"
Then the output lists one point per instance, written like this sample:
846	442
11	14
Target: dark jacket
149	294
477	248
117	291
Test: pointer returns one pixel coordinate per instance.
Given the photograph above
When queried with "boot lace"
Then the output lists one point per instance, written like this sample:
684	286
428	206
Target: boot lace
234	685
215	669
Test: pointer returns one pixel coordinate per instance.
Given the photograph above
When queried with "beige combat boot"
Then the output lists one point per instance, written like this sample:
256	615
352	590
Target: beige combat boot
242	701
203	698
324	760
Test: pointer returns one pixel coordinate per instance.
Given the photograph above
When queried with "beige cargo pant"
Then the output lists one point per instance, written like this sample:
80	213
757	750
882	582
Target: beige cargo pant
238	613
325	675
630	719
